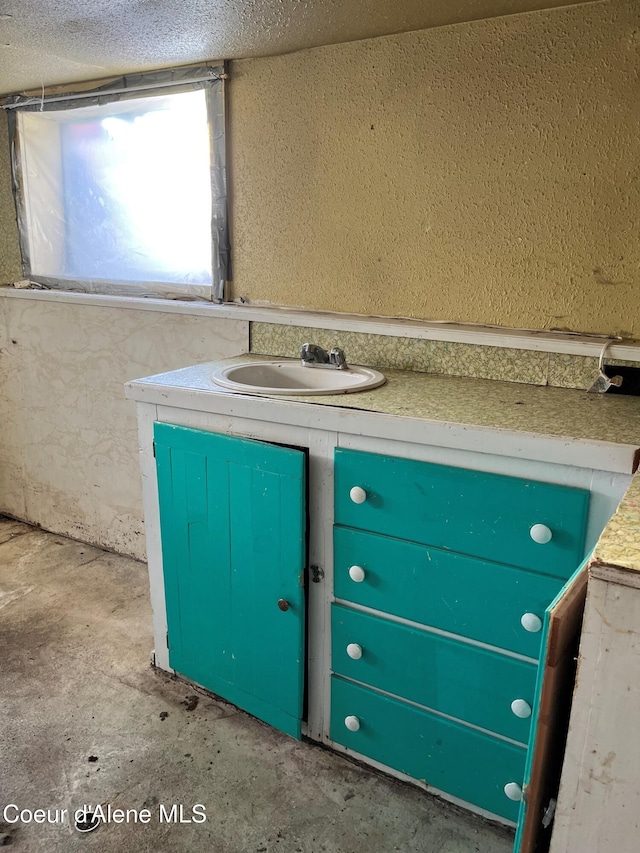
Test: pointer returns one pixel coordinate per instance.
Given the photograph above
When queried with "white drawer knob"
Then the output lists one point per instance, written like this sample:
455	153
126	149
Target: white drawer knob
531	622
352	723
354	651
541	534
513	791
521	708
358	495
356	573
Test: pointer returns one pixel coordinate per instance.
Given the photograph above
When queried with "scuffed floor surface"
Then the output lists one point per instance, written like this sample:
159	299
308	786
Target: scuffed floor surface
84	719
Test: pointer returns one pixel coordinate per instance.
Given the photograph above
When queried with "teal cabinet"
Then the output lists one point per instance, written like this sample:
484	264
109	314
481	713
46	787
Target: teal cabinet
233	529
442	577
441	580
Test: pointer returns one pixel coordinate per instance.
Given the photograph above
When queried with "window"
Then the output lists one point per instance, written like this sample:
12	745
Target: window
123	189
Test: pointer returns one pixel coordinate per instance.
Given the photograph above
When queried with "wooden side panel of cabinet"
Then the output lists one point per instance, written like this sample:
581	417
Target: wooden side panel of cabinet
233	527
554	692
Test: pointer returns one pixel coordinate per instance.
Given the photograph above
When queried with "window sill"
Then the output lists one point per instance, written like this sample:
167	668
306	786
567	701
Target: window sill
396	327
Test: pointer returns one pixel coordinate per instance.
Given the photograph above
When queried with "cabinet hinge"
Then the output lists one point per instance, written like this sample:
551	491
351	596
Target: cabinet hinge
549	813
317	573
167	639
154	449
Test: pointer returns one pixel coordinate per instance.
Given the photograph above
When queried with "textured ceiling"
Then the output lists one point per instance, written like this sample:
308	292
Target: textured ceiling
44	42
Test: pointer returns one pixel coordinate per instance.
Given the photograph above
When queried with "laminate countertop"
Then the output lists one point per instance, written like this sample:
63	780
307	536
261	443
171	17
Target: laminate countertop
478	402
619	543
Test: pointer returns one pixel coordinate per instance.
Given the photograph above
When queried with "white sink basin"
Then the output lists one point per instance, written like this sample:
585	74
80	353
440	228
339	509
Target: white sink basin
291	377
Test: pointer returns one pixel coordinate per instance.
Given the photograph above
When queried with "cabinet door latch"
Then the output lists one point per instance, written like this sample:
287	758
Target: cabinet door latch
317	573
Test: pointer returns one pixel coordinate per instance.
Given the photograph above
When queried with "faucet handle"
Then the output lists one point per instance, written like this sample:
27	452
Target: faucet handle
337	357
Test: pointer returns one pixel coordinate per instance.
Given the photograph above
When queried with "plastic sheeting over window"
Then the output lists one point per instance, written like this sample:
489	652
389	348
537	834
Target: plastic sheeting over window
125	191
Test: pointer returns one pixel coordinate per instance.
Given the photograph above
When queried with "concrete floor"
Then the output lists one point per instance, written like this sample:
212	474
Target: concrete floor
84	719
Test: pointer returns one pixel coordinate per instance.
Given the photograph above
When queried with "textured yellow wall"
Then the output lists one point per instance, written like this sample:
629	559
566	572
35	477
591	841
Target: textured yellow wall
10	265
483	172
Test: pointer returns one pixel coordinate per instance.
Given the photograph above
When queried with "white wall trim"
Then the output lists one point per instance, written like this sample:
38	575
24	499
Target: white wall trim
470	333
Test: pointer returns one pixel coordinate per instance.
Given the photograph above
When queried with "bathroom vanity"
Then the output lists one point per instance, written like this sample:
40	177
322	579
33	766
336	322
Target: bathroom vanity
374	570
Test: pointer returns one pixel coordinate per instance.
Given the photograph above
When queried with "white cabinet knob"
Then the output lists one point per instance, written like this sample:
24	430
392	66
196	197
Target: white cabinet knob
358	495
513	791
531	622
352	723
541	534
354	651
356	573
521	708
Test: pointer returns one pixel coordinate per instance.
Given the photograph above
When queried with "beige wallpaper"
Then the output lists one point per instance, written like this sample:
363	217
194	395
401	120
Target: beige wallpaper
484	172
69	454
447	358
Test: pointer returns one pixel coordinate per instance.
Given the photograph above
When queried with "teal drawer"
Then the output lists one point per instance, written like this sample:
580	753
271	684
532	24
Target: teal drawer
477	599
464	681
470	512
455	759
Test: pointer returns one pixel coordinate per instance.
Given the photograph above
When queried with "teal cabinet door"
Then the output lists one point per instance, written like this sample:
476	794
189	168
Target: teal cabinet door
233	526
552	708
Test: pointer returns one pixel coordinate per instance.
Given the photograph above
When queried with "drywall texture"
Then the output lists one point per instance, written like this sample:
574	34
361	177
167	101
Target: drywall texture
10	264
485	172
69	450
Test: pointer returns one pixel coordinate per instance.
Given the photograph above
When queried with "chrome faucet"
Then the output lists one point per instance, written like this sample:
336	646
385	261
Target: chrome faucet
312	355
